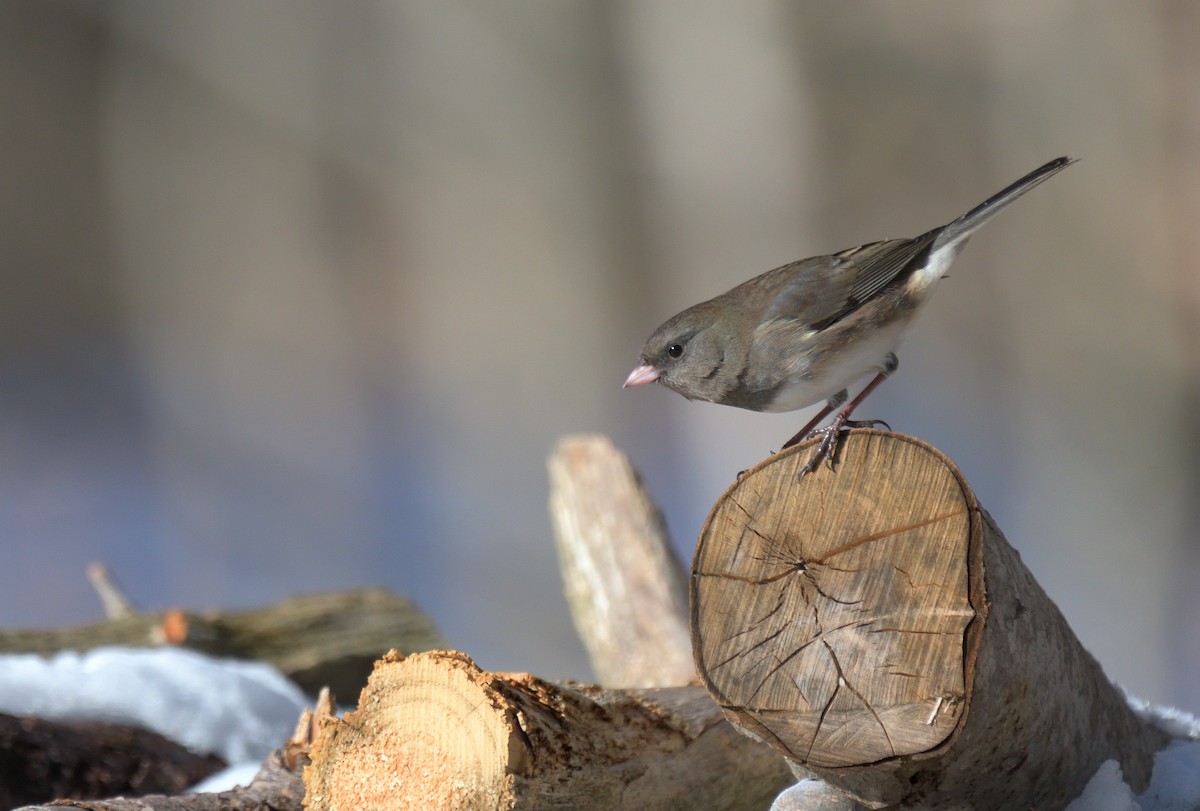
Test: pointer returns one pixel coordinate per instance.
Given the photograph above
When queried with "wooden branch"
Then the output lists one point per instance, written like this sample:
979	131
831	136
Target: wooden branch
112	597
626	589
274	788
433	731
41	760
873	624
320	640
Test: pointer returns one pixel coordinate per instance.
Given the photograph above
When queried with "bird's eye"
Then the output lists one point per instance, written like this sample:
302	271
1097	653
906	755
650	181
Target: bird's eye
675	350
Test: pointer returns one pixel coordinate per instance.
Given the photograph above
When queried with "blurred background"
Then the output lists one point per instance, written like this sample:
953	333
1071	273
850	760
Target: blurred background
297	296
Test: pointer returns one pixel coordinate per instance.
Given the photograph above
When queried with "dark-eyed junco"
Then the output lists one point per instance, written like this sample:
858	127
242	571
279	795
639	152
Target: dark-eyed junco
805	332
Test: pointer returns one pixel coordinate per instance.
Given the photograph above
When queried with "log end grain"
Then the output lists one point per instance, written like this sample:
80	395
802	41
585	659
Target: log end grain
830	614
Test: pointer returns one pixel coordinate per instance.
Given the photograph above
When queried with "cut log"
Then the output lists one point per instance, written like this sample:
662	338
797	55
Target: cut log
434	731
319	640
872	624
41	760
626	589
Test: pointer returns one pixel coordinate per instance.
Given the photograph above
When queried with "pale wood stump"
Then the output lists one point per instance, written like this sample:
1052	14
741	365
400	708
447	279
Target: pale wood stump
871	623
434	731
626	588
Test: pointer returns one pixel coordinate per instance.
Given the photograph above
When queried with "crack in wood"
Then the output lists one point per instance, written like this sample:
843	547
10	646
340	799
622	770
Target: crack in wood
887	533
951	632
748	650
843	680
809	576
754	624
912	584
821	719
820	637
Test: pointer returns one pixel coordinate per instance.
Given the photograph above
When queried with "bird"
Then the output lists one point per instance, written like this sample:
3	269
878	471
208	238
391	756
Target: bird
807	331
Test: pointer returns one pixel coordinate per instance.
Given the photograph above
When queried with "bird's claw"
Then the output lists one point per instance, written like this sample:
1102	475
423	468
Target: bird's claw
824	451
829	438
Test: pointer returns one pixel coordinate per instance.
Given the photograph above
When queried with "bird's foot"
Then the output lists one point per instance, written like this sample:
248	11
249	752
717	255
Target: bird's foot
829	438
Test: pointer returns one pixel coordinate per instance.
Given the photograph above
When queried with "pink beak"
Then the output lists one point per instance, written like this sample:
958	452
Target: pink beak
642	374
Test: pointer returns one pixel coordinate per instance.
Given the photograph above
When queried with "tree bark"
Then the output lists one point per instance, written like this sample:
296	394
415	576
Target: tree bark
872	623
626	588
41	760
275	788
321	640
433	731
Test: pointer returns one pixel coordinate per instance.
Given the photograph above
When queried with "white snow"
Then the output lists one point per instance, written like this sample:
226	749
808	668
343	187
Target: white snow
1174	786
1106	791
238	710
240	774
811	795
1176	723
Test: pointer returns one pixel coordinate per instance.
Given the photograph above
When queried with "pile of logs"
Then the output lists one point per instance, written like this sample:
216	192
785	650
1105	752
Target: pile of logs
866	627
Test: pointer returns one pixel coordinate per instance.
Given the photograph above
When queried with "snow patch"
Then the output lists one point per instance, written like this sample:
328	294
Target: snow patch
238	710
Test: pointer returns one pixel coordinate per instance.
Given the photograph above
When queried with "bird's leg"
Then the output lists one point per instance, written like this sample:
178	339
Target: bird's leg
810	429
830	433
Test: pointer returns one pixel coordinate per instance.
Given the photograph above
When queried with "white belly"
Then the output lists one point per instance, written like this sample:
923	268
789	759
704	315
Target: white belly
856	361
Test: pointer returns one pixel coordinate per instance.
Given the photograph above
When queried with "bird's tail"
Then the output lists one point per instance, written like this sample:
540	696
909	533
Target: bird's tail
966	225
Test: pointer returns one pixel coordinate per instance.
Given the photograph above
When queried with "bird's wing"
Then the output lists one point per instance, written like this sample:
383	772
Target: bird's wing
825	289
